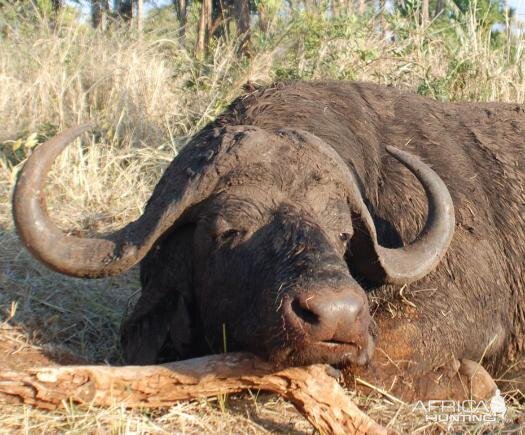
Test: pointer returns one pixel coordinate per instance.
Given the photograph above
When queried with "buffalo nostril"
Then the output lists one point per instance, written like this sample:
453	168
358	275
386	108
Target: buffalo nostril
303	312
327	315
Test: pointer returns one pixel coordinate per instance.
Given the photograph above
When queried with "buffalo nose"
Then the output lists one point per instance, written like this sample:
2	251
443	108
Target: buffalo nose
339	316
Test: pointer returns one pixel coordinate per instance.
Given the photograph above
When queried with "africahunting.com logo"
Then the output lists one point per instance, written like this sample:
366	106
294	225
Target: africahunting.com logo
464	411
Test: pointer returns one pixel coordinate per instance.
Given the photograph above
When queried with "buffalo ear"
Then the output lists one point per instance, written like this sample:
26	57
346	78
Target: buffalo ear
164	323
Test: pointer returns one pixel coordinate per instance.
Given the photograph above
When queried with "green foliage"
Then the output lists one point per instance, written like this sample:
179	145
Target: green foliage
69	72
316	43
408	7
15	151
271	7
19	17
487	12
14	10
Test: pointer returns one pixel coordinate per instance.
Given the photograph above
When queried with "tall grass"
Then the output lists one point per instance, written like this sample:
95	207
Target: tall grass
148	95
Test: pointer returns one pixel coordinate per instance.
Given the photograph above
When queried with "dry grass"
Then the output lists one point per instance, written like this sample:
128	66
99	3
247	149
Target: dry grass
148	96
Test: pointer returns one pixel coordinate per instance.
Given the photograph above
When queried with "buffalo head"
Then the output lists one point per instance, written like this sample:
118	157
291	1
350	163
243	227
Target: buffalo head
267	226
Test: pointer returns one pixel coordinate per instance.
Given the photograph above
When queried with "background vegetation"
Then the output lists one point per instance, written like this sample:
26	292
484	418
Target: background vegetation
151	83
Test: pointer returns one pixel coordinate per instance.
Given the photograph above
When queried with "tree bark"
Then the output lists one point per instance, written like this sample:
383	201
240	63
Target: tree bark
362	6
424	12
222	11
440	7
310	6
203	33
99	11
56	5
313	390
124	9
264	19
382	20
342	7
140	15
241	10
181	7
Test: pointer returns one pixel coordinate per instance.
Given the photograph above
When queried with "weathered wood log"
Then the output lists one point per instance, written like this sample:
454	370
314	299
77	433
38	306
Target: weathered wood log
313	390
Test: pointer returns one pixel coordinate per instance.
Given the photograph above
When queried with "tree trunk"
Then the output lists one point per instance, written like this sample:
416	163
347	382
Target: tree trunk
382	21
241	10
440	7
96	13
56	5
181	7
313	390
309	5
362	6
344	7
222	10
124	9
99	11
264	21
424	12
341	7
334	8
203	33
140	15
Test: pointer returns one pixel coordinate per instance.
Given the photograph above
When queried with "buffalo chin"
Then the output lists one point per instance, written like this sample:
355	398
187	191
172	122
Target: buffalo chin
324	352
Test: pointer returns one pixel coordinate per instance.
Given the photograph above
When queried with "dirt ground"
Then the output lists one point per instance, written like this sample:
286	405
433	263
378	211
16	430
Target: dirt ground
251	412
20	355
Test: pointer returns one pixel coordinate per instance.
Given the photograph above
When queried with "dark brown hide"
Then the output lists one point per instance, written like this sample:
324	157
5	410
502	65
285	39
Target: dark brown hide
473	304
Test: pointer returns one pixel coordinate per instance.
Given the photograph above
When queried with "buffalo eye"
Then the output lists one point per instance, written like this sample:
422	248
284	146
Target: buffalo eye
344	237
228	235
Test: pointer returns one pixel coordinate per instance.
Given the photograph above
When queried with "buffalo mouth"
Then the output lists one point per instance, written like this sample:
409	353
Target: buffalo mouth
335	343
343	353
333	352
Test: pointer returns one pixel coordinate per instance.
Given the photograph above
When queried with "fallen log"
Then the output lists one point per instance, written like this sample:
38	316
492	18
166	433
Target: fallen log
313	390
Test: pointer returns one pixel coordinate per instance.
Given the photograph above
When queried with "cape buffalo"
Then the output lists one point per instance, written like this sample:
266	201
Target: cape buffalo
291	226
